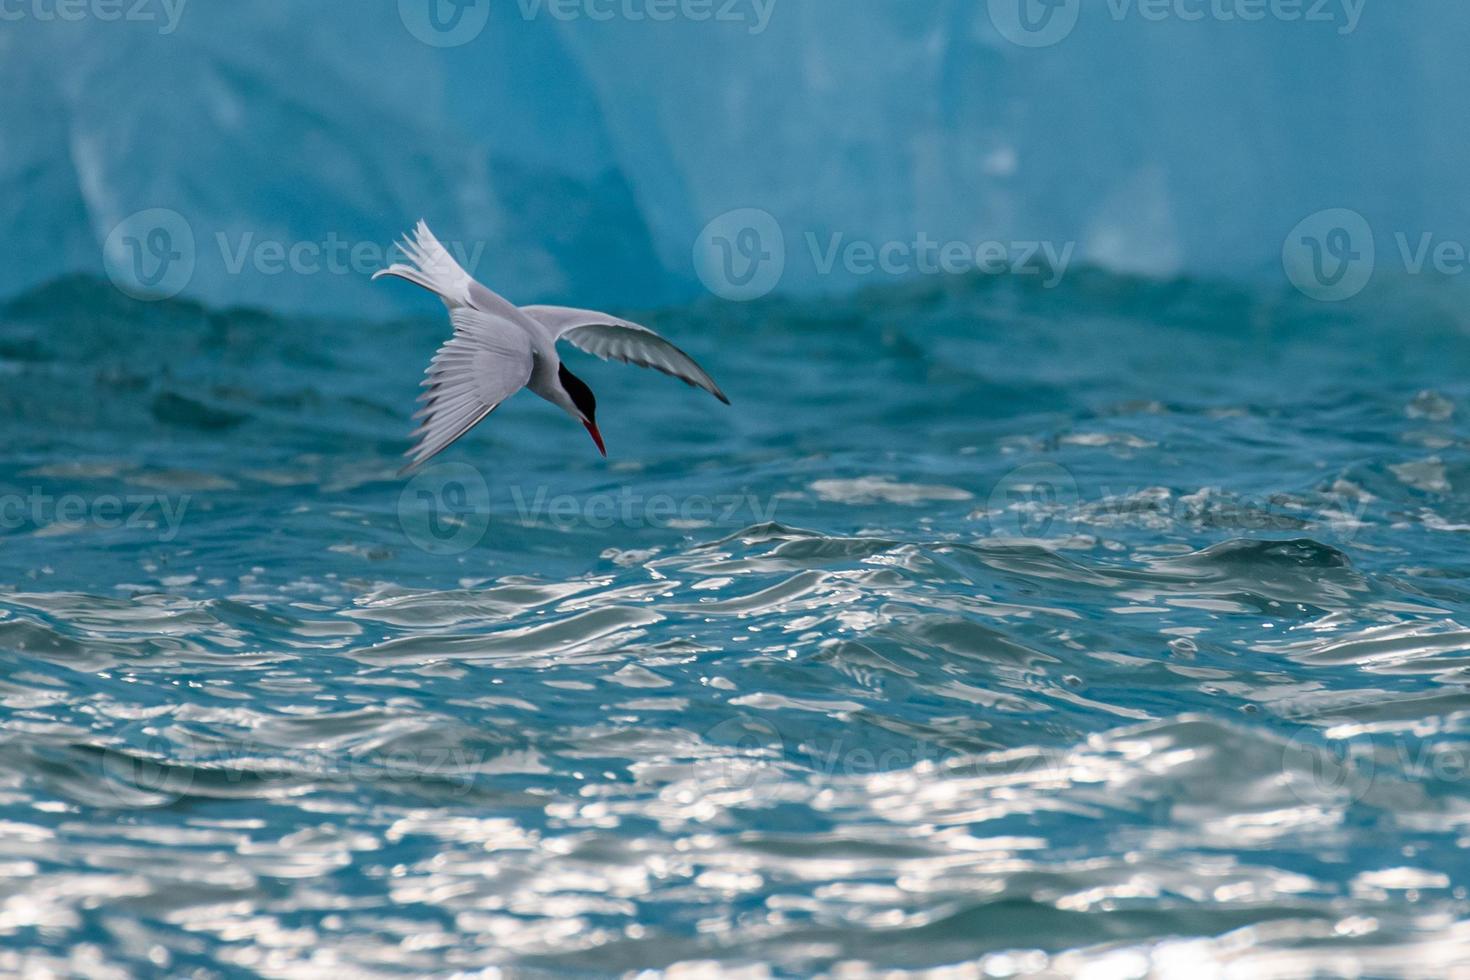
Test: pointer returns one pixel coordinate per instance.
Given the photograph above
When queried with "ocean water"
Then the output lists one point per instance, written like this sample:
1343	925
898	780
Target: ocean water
1113	629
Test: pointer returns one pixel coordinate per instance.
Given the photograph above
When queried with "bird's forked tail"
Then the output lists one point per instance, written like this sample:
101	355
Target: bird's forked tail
431	266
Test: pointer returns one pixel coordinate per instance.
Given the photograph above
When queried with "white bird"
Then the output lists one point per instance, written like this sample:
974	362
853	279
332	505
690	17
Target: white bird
499	348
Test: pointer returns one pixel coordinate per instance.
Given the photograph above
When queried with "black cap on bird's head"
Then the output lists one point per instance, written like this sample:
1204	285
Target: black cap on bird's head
586	403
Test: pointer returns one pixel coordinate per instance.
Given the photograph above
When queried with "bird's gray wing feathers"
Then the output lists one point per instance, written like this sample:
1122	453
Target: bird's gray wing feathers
610	337
484	298
484	363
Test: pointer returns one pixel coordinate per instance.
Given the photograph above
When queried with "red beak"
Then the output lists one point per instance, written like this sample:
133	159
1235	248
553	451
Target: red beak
596	437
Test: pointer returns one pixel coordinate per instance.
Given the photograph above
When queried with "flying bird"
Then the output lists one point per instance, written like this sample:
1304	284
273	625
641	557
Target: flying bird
499	348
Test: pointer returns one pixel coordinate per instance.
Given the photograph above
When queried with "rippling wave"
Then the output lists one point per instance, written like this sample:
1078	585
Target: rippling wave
1119	627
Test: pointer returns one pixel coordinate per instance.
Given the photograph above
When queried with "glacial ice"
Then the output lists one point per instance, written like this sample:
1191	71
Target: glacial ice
577	158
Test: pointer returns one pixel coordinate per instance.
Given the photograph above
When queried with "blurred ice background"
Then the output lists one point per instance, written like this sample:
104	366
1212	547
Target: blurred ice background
579	148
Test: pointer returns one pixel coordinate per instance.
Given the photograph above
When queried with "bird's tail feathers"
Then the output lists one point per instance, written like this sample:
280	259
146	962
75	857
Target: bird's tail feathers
431	266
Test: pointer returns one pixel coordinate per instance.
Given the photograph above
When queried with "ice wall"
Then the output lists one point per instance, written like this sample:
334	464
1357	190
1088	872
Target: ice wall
574	149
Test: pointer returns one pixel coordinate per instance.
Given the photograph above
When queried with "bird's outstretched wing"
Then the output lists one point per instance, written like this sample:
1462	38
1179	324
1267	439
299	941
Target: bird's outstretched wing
486	361
622	340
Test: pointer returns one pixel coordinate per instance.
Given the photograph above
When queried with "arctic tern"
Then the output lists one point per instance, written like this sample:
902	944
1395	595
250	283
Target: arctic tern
499	348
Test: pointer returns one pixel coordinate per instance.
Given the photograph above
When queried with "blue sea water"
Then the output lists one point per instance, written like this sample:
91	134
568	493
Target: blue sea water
1105	630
